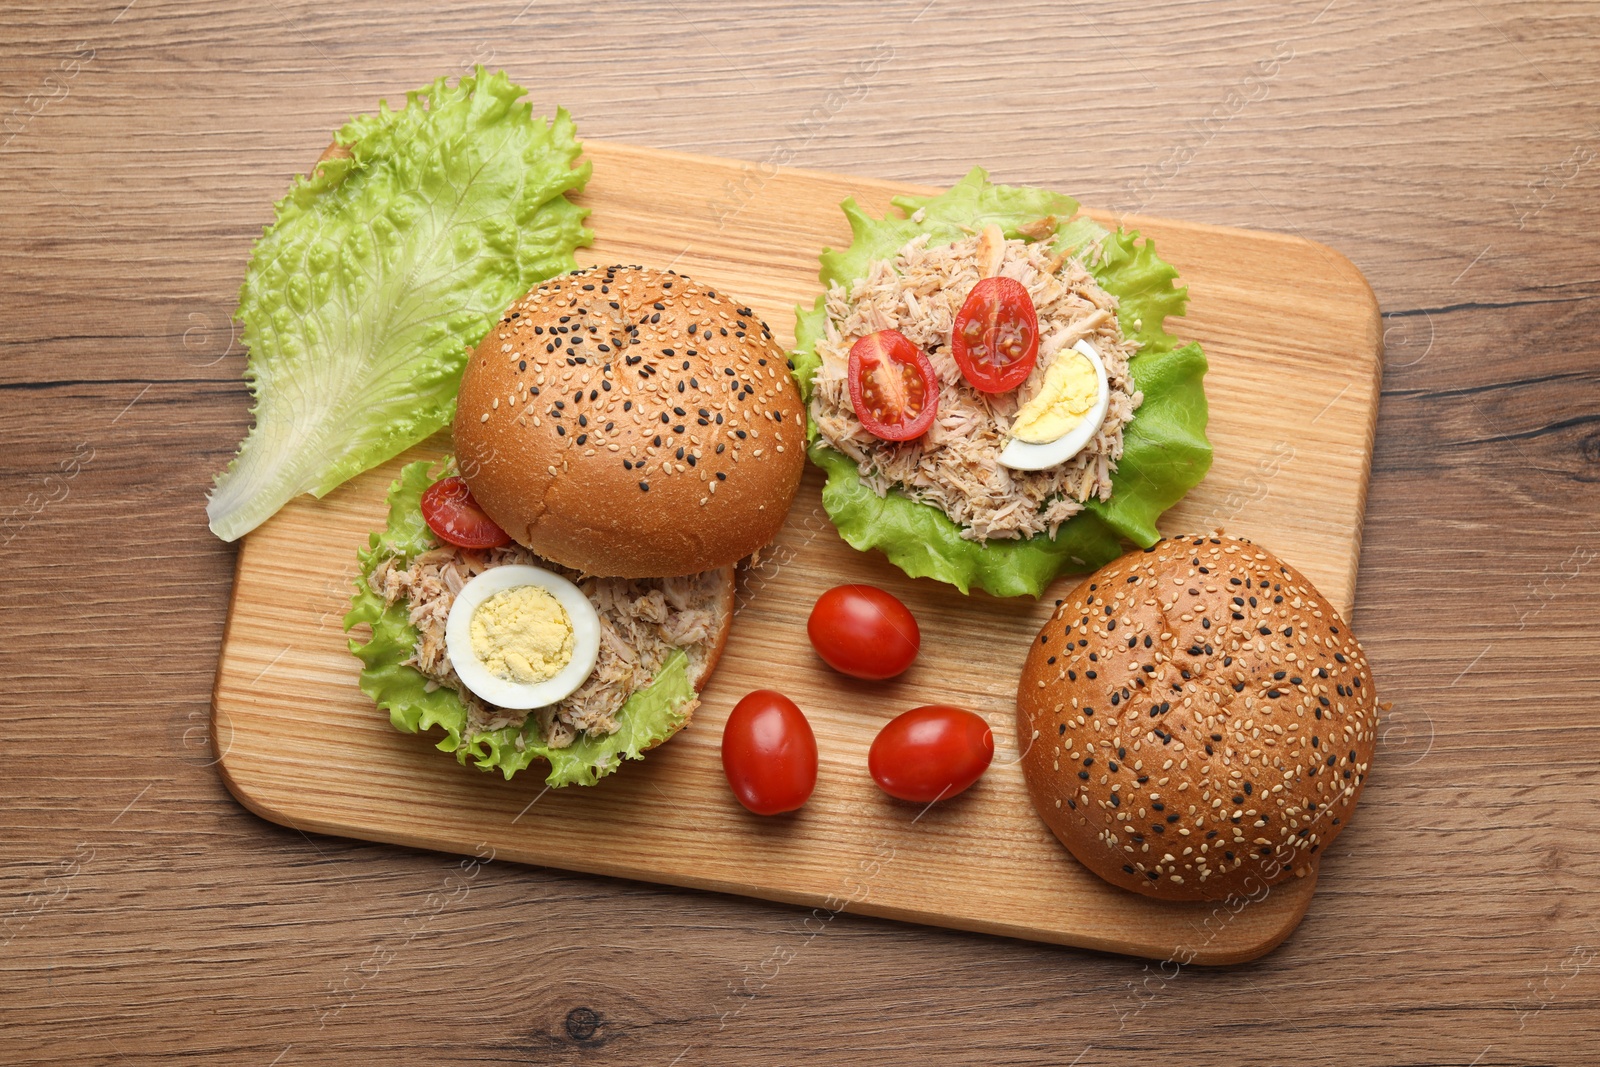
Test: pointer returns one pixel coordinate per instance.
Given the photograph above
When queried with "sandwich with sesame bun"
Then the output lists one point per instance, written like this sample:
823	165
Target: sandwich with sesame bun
561	589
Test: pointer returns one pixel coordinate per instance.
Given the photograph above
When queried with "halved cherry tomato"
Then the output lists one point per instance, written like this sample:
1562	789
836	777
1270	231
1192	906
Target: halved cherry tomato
892	386
450	512
931	753
995	337
769	753
864	632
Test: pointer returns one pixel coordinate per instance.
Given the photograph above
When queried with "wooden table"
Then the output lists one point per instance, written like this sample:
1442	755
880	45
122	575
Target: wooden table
1450	150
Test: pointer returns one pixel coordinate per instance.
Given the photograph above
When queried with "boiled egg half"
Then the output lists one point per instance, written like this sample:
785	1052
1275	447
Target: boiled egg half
1064	415
522	637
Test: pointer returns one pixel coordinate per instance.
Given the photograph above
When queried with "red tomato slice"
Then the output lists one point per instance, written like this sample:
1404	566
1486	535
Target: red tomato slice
864	632
892	386
931	753
995	338
769	753
450	511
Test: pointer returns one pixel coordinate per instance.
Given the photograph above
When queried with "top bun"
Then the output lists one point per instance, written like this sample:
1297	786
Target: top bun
629	422
1202	721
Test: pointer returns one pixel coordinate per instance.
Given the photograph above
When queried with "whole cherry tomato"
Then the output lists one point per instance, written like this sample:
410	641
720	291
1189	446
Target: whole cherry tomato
450	512
995	336
892	386
769	753
931	753
864	632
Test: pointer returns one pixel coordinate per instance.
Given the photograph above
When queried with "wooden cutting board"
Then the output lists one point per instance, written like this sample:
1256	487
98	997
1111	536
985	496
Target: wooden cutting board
1292	332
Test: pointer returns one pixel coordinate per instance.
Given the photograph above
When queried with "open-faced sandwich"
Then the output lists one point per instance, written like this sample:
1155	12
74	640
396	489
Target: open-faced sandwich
992	392
563	589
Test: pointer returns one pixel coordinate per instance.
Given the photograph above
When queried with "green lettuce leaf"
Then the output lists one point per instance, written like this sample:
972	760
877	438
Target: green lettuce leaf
380	271
1165	451
649	717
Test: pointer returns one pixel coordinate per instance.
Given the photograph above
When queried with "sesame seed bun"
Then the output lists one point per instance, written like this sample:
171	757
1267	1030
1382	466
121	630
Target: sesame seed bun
630	422
1201	721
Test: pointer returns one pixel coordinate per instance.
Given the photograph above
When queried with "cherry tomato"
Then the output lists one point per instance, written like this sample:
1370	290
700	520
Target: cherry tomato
892	386
931	753
769	753
995	337
864	632
450	512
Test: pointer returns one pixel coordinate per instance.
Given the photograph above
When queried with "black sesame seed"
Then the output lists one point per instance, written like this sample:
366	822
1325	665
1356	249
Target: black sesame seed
644	486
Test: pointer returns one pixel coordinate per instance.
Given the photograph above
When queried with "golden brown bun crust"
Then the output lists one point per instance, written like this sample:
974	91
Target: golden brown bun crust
1224	748
567	449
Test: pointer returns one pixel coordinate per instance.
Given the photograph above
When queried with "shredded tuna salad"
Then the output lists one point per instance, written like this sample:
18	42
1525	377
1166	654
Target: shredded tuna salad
641	622
954	466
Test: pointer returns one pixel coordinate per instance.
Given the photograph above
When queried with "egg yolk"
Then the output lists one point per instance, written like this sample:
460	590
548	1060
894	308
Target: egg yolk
522	634
1068	393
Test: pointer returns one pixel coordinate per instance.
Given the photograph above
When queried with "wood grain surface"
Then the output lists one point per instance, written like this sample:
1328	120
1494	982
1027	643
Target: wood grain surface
1449	149
299	743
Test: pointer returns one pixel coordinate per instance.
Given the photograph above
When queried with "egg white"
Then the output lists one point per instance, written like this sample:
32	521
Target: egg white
521	695
1026	456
